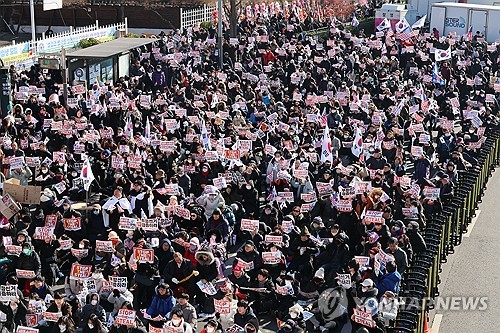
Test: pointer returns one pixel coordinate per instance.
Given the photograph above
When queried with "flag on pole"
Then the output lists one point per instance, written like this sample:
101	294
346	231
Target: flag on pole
441	55
436	76
147	130
129	128
385	24
469	33
326	146
205	139
402	25
420	23
357	144
355	21
87	175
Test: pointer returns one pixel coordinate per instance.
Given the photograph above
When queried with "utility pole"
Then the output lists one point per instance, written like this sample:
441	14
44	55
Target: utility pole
33	27
64	70
219	33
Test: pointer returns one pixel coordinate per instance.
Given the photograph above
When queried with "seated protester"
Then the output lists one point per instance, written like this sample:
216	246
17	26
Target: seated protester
28	260
245	315
91	308
295	319
212	326
275	268
65	324
287	289
390	280
178	322
367	289
41	288
161	305
240	279
14	314
117	298
209	269
62	306
218	222
188	310
138	326
264	294
180	272
94	325
249	255
388	307
303	249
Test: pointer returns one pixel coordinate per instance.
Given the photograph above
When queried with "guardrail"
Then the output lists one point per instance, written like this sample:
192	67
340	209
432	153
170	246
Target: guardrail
442	234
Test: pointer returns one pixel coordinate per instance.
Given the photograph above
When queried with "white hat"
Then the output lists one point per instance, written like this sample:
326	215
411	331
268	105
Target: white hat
320	273
367	283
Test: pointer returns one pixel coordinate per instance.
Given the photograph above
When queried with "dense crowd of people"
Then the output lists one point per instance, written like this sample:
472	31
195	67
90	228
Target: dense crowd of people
303	170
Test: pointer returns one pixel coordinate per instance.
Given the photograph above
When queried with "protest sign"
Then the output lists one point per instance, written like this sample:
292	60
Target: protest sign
127	223
44	233
344	280
80	272
25	194
208	288
270	239
8	293
249	225
32	320
51	316
72	224
25	274
363	318
271	258
431	192
362	261
13	250
25	329
222	306
144	255
104	246
149	224
80	253
119	282
373	216
8	206
125	317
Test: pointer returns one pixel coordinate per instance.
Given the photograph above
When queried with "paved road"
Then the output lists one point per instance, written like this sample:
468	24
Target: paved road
473	270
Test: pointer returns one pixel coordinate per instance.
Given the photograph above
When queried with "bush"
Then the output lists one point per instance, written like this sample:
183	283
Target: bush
131	35
367	25
87	42
206	25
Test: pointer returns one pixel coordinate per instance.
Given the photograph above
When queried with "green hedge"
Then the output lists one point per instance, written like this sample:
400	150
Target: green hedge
87	42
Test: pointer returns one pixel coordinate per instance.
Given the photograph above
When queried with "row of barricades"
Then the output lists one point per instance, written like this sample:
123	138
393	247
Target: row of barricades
442	233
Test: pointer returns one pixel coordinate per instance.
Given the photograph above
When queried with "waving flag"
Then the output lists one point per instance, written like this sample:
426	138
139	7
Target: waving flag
129	128
147	130
355	21
469	34
436	76
385	24
441	55
402	25
326	146
87	175
357	144
420	23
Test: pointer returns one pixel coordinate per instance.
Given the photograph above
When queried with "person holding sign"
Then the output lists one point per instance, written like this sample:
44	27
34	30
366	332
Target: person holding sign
180	272
91	308
15	312
65	324
161	305
29	261
178	324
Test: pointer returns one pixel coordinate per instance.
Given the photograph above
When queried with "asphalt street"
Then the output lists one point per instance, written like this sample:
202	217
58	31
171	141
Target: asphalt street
473	271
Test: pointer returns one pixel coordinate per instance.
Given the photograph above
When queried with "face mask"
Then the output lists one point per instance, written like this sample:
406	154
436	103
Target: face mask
93	302
210	329
447	134
74	174
81	246
62	328
45	170
118	175
249	187
204	169
293	315
91	326
27	252
95	212
176	322
150	160
13	307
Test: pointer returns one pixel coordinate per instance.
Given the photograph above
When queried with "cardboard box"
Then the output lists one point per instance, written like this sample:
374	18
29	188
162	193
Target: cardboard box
23	194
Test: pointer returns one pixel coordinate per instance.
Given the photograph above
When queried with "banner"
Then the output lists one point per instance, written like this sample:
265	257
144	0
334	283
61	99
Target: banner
127	223
222	306
55	44
271	258
24	274
249	225
119	282
24	329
